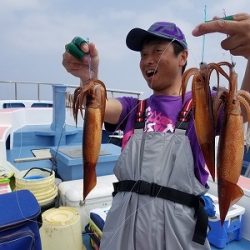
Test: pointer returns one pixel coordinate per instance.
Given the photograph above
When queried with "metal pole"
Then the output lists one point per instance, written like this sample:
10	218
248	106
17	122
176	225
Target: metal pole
15	90
38	91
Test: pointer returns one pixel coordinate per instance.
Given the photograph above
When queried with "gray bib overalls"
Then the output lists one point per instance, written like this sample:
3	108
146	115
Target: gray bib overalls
138	222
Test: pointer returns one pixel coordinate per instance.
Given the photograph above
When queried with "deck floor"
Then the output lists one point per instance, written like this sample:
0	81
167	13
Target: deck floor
234	245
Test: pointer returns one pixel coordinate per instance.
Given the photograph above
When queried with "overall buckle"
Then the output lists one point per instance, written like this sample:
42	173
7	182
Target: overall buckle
146	188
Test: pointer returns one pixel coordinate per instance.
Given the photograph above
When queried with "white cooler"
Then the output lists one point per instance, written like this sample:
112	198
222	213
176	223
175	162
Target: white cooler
71	195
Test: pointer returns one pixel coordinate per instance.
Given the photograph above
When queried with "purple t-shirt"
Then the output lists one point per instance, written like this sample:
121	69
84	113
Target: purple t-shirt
161	116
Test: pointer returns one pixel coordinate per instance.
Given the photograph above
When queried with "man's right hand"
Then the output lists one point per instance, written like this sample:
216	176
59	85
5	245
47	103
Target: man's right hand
85	68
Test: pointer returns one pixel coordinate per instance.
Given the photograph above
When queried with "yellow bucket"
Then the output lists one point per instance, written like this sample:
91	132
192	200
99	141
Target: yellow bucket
36	177
44	194
61	229
41	182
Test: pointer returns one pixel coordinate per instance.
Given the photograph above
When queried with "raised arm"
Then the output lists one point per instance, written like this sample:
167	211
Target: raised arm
87	68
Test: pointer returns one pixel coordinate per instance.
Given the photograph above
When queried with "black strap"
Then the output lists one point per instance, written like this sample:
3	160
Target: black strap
140	114
184	116
42	169
154	190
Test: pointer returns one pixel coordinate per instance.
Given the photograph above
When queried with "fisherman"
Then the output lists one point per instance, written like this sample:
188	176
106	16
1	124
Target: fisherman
161	171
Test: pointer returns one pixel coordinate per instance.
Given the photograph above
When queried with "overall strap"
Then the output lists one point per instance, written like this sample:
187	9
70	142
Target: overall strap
184	116
140	114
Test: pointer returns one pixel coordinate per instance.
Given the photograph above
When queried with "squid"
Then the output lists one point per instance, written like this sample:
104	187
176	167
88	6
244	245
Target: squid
231	141
203	113
93	95
231	145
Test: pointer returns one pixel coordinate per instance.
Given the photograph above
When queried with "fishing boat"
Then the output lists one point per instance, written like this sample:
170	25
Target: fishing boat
42	134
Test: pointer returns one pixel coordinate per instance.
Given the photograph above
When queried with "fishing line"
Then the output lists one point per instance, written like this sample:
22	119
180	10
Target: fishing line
150	84
204	37
90	75
17	198
129	197
23	216
89	61
41	223
231	56
132	110
59	142
53	167
54	164
21	142
19	154
144	205
132	213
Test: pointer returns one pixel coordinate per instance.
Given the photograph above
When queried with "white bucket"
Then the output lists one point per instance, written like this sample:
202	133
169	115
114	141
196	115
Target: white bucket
41	182
61	229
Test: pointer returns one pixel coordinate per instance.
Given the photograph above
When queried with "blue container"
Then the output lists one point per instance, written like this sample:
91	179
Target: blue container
20	220
69	163
220	235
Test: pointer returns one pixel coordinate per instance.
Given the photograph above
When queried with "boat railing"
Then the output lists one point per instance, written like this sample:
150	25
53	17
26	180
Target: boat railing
39	93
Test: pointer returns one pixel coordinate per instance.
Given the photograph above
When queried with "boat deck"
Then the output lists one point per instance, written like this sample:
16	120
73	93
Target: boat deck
236	245
233	245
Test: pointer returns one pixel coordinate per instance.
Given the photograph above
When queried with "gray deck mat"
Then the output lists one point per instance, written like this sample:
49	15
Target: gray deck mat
76	152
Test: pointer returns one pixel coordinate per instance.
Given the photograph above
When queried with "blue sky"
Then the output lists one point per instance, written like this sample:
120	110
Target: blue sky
34	33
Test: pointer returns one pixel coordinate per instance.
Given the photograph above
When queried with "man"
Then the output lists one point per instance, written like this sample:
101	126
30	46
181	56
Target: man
167	214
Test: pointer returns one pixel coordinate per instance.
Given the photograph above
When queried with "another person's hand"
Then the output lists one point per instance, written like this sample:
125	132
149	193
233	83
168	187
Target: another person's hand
87	67
238	31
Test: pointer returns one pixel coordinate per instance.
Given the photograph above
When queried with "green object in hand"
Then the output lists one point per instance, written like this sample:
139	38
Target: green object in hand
74	48
227	18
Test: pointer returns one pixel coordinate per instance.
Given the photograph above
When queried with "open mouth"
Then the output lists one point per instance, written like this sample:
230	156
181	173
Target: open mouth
150	72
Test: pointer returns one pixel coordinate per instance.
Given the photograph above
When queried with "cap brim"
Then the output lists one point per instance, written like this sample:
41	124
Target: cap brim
135	38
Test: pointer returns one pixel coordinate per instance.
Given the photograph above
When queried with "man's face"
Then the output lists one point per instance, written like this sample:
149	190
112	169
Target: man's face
159	65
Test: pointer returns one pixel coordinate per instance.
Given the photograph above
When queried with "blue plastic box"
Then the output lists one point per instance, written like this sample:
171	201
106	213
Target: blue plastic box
220	235
69	163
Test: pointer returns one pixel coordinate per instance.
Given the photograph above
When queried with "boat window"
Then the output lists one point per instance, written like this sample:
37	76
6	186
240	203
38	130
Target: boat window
42	105
7	144
13	105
